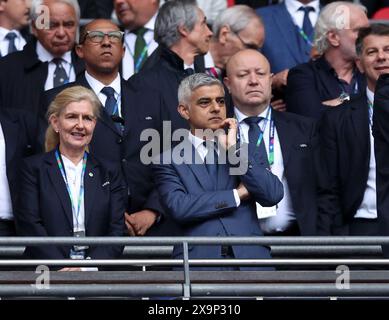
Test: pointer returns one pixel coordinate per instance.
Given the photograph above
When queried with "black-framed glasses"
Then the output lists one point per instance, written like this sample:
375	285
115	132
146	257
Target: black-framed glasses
98	36
247	45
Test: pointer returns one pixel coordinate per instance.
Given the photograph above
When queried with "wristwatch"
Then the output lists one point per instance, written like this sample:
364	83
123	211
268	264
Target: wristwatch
344	97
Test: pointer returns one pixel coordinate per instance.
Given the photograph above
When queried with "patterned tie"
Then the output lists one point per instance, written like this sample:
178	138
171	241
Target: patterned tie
211	158
60	76
254	132
11	42
111	104
307	25
140	45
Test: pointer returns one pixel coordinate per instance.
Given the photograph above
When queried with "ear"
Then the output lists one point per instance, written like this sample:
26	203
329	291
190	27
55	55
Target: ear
54	122
2	5
223	34
183	110
333	38
183	31
227	82
79	51
34	31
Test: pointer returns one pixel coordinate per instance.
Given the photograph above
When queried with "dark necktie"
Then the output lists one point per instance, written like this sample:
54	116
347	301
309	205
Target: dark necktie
140	45
11	41
307	25
189	71
254	133
60	76
111	106
211	158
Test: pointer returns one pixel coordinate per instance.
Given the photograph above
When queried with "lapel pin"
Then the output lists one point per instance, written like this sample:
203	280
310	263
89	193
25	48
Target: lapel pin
303	145
91	174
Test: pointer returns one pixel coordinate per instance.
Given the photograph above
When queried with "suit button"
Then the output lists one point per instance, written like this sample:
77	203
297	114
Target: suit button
250	166
120	140
124	160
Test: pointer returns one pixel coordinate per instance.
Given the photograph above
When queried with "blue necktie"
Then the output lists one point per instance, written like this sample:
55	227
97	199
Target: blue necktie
189	71
11	42
60	76
307	25
211	158
254	132
111	104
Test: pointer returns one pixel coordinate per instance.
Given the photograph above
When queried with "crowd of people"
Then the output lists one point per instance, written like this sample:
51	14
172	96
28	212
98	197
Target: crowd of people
206	118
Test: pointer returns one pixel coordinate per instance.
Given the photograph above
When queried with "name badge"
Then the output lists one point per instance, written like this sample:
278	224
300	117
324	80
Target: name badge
77	255
265	212
79	234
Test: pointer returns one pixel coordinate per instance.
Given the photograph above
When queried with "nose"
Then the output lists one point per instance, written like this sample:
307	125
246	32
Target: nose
215	107
80	123
210	33
381	55
105	41
60	31
253	78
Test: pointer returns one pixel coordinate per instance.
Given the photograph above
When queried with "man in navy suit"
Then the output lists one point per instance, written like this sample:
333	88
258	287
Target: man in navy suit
288	145
347	200
200	192
126	113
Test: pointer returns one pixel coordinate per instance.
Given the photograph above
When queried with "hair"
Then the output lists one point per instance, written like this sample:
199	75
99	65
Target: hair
330	18
194	81
35	12
378	29
237	18
58	105
171	16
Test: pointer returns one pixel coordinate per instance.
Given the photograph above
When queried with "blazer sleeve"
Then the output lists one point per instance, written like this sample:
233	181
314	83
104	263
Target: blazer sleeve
118	199
27	212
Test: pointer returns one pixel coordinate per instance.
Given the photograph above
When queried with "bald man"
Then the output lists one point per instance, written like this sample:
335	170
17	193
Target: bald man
287	145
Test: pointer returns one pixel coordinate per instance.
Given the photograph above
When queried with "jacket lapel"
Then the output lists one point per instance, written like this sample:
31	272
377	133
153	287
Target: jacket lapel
11	134
285	136
91	182
360	121
58	184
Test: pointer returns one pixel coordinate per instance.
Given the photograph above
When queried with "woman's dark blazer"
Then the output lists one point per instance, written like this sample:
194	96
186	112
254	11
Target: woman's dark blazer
45	209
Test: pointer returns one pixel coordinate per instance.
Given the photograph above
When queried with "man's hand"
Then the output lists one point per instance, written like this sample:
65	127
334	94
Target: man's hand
228	140
280	79
242	192
332	103
139	222
279	105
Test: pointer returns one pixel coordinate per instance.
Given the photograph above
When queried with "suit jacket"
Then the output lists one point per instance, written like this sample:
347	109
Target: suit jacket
45	207
140	110
299	147
96	9
283	47
345	154
381	149
19	130
315	82
205	207
23	77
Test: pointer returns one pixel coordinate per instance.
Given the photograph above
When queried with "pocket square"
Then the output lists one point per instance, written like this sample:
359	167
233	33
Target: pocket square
106	183
149	118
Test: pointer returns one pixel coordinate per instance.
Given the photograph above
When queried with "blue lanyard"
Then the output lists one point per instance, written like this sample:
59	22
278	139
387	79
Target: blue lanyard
370	112
142	56
81	193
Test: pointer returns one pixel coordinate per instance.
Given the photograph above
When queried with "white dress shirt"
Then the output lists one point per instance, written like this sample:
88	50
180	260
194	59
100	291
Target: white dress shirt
285	215
298	16
368	207
4	43
129	42
5	195
46	56
202	151
97	86
73	175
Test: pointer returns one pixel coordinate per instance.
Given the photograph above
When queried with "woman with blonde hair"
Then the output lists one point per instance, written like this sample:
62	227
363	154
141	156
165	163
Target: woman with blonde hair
67	192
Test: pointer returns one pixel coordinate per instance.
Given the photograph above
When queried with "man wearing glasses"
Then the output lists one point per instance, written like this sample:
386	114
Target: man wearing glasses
126	113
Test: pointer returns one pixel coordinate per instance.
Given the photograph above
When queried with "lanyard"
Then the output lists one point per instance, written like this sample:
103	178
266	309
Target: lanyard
304	36
81	193
370	112
142	56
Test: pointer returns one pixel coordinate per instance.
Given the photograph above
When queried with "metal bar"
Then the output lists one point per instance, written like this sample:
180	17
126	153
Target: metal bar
316	241
186	270
199	262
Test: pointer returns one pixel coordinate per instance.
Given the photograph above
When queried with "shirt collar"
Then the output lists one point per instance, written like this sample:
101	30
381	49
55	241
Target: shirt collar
44	55
240	116
97	86
294	5
370	95
195	141
208	60
151	23
4	31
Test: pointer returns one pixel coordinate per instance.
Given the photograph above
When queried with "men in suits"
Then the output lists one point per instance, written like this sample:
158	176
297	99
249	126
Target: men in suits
198	190
14	15
127	112
334	77
347	200
287	145
182	33
17	140
138	19
45	62
289	35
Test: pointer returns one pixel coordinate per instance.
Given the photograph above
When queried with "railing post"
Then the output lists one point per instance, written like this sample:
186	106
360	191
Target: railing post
186	271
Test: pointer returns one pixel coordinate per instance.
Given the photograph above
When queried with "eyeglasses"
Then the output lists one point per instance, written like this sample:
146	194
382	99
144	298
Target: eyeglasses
247	45
98	36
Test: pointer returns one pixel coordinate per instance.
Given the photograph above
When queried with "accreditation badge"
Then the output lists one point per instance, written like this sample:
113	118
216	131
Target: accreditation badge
265	212
79	234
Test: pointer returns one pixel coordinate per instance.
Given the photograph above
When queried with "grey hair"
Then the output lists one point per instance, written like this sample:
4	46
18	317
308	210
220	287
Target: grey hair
171	16
35	11
194	81
236	17
331	17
